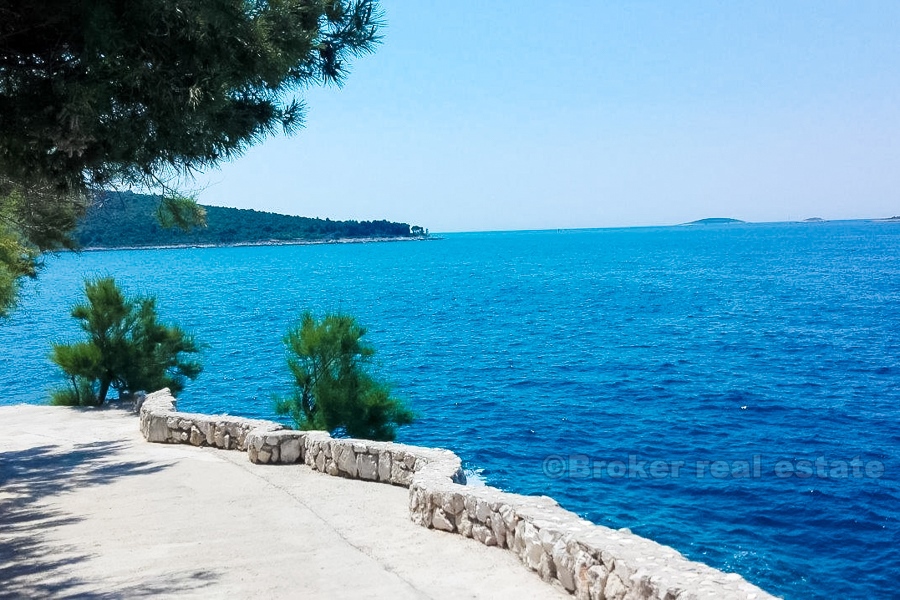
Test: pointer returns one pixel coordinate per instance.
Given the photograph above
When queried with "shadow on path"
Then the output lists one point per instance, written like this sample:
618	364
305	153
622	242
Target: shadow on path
30	566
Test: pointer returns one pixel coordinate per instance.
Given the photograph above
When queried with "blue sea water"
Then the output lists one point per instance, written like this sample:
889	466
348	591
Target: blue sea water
730	390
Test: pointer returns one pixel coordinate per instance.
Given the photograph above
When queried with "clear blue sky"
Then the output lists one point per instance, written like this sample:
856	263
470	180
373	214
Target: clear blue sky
525	114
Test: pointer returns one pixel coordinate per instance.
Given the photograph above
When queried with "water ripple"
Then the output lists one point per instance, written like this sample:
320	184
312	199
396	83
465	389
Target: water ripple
684	345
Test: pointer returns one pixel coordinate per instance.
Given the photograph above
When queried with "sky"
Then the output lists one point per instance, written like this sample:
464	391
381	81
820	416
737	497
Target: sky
526	114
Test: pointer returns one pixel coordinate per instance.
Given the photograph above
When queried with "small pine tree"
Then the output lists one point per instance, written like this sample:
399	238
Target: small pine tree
127	348
332	390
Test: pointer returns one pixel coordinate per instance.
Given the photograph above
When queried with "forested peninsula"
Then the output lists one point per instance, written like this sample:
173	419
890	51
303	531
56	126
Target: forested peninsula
128	220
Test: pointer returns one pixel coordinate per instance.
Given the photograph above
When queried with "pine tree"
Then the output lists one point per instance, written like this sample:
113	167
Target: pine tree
332	388
127	348
100	92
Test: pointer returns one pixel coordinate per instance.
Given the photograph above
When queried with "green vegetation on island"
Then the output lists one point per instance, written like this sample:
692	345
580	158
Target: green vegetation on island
332	387
125	219
126	349
714	221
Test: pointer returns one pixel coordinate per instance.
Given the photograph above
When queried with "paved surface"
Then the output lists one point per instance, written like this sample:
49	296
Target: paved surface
88	509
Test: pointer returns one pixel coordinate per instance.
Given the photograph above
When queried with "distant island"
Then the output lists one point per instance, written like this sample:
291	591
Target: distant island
714	221
126	220
814	220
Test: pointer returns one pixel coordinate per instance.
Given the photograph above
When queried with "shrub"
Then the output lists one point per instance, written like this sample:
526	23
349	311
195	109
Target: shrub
127	348
332	388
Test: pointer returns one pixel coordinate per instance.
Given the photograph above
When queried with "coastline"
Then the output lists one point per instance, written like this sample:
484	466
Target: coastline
298	242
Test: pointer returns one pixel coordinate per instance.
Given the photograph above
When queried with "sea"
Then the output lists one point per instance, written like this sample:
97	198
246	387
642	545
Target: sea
730	390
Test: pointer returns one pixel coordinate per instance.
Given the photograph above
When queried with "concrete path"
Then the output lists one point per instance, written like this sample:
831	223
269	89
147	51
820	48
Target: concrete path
88	509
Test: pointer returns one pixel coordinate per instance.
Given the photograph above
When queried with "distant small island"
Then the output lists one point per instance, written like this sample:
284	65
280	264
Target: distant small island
126	220
814	220
714	221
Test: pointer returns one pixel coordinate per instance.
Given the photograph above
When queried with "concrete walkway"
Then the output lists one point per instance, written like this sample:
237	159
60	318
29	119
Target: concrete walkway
88	509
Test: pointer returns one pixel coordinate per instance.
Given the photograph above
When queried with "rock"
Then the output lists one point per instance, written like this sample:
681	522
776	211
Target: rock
384	467
580	570
290	450
615	589
620	568
226	441
263	457
597	577
471	505
419	506
138	401
549	536
441	521
508	515
157	430
399	475
547	570
498	529
482	511
483	534
320	461
534	550
464	524
346	460
564	564
454	503
591	585
366	466
196	438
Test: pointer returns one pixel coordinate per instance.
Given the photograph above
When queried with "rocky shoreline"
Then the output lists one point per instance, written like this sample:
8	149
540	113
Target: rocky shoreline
371	240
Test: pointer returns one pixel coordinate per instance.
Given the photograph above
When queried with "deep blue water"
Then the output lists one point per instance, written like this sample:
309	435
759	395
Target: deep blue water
604	350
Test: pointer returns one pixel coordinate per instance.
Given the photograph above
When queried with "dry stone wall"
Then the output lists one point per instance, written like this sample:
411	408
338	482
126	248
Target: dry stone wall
160	422
590	561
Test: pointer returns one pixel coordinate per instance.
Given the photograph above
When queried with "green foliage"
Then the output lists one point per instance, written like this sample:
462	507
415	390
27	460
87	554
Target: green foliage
121	91
127	220
178	211
146	92
81	393
332	389
127	348
29	225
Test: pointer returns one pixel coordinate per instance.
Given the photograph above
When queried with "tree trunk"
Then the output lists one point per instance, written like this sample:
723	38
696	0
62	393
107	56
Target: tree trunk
104	389
75	387
306	405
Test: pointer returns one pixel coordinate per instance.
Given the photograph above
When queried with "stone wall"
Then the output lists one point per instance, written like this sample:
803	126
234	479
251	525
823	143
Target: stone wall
161	423
590	561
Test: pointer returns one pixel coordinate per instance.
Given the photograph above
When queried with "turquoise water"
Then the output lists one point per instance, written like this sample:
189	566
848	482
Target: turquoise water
732	391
